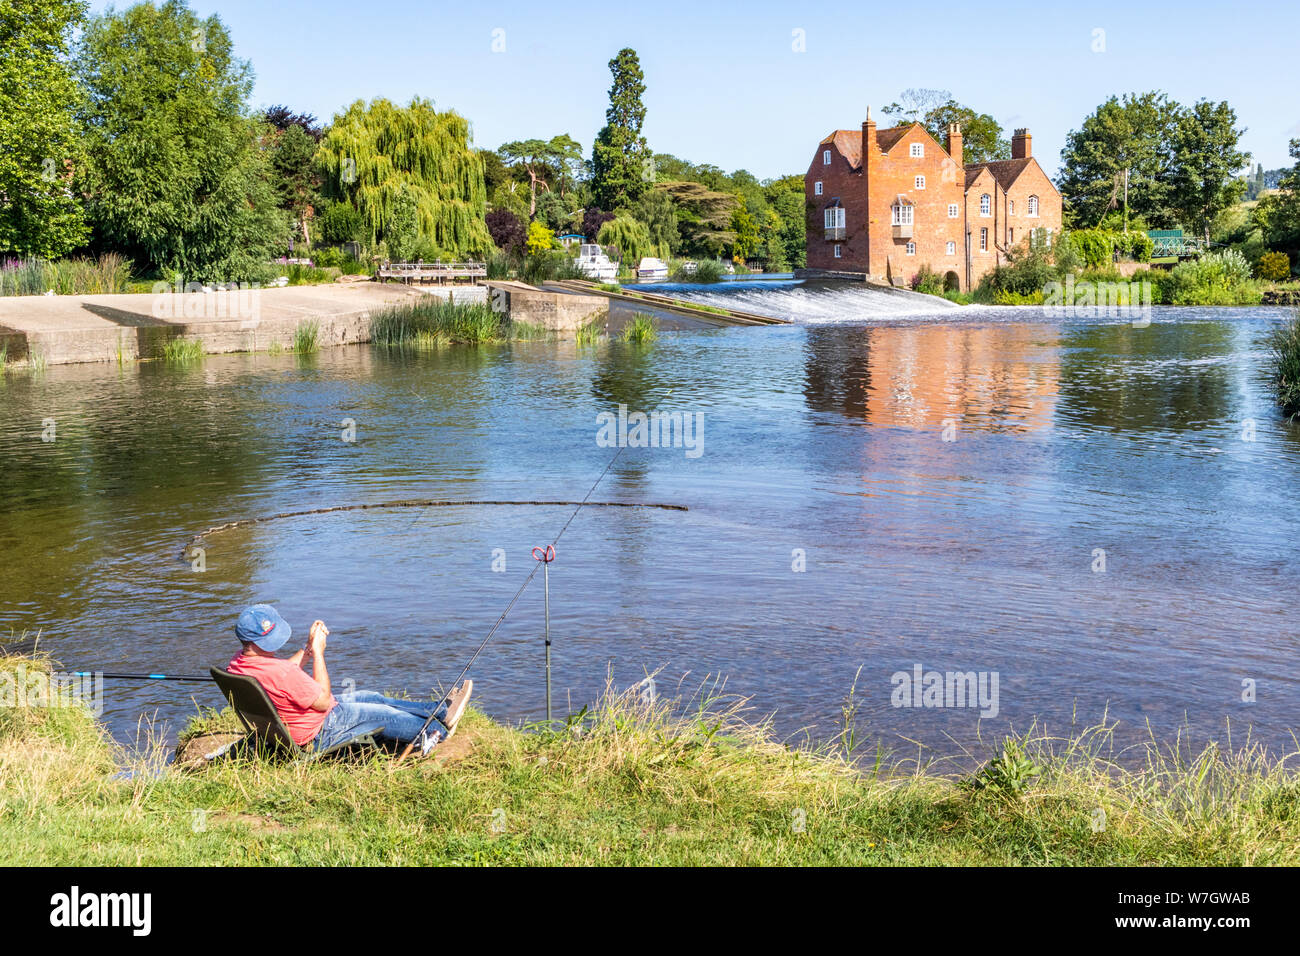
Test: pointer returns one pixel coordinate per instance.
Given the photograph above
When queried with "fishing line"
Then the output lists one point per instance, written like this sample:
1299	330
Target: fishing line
537	565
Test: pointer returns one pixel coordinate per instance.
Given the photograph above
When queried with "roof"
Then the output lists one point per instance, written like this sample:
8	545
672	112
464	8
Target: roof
1005	171
848	142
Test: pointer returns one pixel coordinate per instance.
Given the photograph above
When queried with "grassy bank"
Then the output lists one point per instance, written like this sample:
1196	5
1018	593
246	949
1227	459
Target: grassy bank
626	784
1285	368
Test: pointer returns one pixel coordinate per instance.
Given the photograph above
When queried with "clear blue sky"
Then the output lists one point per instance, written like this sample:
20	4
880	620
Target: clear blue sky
724	85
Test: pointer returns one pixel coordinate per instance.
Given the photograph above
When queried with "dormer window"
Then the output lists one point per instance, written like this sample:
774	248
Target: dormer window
920	182
1033	205
918	150
826	157
986	205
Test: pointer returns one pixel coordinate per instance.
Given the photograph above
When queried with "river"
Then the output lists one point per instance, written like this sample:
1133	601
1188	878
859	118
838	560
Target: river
1098	516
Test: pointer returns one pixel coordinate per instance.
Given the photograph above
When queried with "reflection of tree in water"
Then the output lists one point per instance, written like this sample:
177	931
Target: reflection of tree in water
1120	377
837	370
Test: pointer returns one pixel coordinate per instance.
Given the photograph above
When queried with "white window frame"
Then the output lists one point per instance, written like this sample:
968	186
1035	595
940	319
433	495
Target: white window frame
984	239
901	214
833	217
837	252
817	188
917	151
1011	207
986	204
826	157
953	210
919	182
1033	206
951	248
911	248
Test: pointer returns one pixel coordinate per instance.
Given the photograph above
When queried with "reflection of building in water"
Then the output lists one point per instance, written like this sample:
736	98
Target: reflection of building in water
997	378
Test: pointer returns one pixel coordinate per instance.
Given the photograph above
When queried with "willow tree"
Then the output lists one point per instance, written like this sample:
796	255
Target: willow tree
387	160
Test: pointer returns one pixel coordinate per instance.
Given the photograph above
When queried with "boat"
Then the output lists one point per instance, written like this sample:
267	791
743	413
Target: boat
651	268
594	264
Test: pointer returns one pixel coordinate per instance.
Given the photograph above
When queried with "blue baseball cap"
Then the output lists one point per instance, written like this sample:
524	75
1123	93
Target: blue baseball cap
262	625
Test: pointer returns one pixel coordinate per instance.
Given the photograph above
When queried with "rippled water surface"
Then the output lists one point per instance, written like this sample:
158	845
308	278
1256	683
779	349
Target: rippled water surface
825	438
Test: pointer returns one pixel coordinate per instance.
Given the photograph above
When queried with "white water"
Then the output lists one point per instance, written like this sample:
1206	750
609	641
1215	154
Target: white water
812	303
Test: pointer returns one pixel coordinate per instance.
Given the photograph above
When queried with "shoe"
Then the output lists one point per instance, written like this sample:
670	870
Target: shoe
456	702
428	740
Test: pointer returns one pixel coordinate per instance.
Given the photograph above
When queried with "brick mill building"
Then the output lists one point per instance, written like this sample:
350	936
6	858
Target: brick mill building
882	203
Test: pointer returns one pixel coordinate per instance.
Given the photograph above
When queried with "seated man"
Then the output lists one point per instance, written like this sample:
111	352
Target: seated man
306	705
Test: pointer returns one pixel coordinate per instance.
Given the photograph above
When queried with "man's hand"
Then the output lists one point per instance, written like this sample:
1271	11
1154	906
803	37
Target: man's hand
316	637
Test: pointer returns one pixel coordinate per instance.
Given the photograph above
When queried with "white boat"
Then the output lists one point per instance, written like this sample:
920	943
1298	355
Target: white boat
650	268
594	264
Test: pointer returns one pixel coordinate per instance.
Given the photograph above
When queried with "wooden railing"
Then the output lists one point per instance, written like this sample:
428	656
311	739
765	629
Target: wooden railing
431	271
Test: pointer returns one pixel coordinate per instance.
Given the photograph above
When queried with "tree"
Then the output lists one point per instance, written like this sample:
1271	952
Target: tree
592	220
914	103
282	118
540	158
745	226
293	156
174	174
630	238
1130	134
39	214
376	152
657	213
507	230
703	216
540	239
621	163
982	139
1278	216
1206	162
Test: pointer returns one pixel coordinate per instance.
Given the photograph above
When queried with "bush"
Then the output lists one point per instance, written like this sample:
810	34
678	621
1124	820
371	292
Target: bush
340	222
928	281
1026	275
1217	278
706	270
1274	266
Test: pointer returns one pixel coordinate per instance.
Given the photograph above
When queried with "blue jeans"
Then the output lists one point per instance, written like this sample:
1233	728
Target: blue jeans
402	719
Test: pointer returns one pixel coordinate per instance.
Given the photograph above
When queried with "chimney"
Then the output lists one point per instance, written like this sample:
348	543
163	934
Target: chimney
868	137
954	143
1020	143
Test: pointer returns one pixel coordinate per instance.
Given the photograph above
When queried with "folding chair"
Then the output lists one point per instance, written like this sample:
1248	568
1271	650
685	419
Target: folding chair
258	715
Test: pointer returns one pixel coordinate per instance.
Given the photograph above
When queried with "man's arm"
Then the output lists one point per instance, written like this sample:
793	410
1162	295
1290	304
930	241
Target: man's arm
316	644
297	656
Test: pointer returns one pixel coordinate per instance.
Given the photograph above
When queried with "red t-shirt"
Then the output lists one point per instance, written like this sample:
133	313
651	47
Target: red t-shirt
291	690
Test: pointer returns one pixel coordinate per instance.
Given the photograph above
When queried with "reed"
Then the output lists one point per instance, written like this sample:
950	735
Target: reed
641	329
433	322
182	351
306	338
1284	347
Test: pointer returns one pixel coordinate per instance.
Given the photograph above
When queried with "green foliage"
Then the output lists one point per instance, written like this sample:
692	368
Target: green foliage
1022	280
293	153
39	214
703	216
175	176
1206	161
306	338
550	264
332	257
1008	775
629	237
706	270
655	210
182	351
1284	346
928	281
340	222
745	227
557	159
641	329
982	136
1217	278
108	274
622	167
1274	266
434	321
540	239
397	164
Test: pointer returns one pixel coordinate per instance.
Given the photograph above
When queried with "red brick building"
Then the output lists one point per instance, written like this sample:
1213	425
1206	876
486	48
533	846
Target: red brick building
882	203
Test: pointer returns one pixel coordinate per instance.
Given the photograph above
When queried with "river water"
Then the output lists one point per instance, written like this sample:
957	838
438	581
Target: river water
1100	516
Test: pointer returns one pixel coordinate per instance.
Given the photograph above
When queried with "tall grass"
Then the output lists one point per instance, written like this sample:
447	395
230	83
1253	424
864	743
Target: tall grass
1284	345
306	338
631	780
641	329
433	321
591	333
109	274
706	270
182	351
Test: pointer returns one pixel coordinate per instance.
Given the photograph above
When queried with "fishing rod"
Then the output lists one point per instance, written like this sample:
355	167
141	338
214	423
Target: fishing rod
537	565
183	677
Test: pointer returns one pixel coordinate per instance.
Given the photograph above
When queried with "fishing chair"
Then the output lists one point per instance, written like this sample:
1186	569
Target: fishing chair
257	714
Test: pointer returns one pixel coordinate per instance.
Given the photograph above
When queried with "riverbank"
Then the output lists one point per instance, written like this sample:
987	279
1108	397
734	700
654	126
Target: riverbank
627	784
62	330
